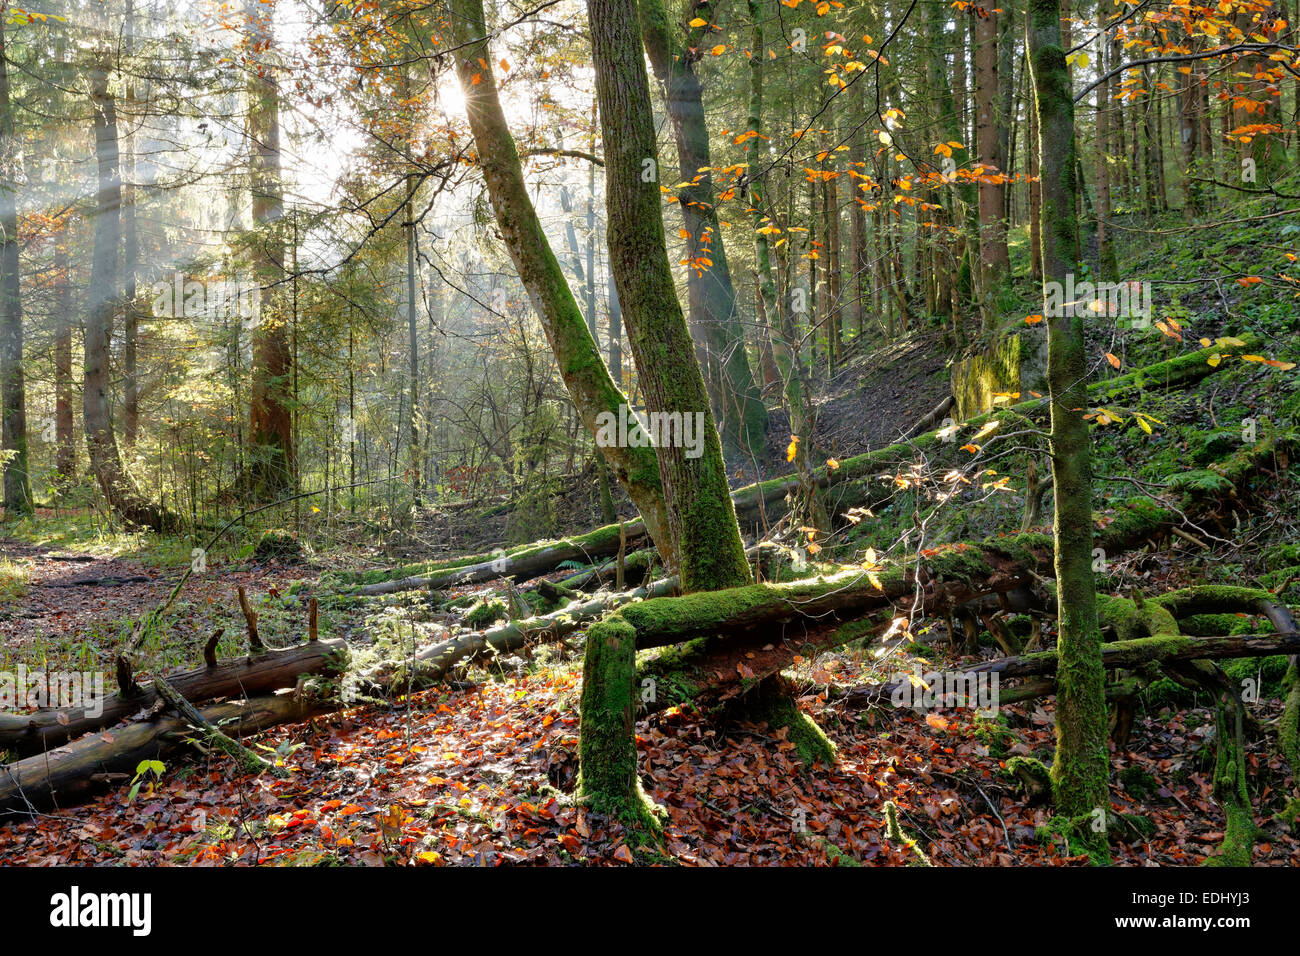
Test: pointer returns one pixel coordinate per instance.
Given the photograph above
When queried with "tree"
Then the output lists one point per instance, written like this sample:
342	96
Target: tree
103	299
994	262
1080	770
270	432
13	414
696	493
584	373
711	295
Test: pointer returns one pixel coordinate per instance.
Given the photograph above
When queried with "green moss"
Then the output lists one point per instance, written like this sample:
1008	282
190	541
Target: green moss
1136	825
1232	794
1289	723
485	613
1137	782
1211	599
960	562
1269	671
1023	548
1033	777
1135	519
1216	444
277	543
772	702
1213	625
1083	835
1282	556
896	835
607	778
1201	483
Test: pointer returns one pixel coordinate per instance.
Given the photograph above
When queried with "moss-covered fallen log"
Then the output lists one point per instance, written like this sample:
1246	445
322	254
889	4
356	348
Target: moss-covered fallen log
520	564
252	675
1118	654
433	662
101	761
730	640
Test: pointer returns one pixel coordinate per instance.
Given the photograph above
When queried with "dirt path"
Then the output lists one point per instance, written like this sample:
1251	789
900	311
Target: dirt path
77	607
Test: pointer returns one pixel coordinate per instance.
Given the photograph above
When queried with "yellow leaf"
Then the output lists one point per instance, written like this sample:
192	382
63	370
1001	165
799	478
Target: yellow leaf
792	448
718	50
1112	360
699	22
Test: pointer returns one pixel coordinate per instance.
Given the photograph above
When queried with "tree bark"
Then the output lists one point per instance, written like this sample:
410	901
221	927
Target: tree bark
696	493
710	293
66	450
103	298
13	413
584	374
270	432
994	260
1080	770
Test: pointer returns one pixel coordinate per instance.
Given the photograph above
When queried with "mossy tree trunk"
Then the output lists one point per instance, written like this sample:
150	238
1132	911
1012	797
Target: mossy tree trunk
104	295
13	416
270	431
585	376
696	494
608	780
1080	770
711	294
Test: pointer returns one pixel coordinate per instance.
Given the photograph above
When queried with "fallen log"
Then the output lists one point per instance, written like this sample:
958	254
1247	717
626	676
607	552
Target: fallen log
731	639
520	565
78	771
245	759
433	662
1118	654
27	734
95	582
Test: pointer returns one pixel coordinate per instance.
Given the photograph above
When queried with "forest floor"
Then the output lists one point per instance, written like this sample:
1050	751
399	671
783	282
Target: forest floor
481	776
482	771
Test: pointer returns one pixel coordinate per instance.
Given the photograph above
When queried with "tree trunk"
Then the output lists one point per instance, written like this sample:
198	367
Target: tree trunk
811	508
696	493
103	297
710	293
270	432
130	258
994	262
13	413
585	375
66	450
1080	770
1107	264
